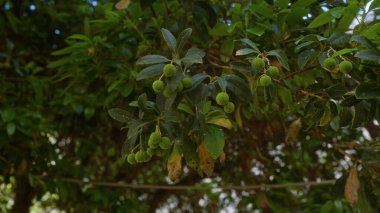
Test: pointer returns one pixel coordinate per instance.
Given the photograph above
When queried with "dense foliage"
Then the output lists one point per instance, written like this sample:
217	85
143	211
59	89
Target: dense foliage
207	93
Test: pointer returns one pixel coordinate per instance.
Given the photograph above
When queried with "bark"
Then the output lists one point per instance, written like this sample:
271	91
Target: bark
24	195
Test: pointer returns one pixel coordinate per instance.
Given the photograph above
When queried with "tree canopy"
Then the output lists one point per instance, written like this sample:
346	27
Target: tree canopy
190	106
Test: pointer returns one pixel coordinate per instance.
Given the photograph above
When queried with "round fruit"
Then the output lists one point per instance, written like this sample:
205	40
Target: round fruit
150	151
155	137
273	71
345	67
158	86
187	82
222	98
179	88
169	70
152	144
160	152
229	108
329	64
258	64
147	157
165	143
140	156
265	80
131	158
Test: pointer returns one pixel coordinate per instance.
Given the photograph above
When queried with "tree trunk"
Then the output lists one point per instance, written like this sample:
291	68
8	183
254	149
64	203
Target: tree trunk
23	190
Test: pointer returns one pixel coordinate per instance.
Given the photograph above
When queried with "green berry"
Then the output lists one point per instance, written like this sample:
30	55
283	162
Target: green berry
152	144
131	158
229	108
179	88
345	67
147	157
187	82
167	92
258	64
222	98
165	143
265	80
155	136
158	86
169	70
329	64
140	156
150	151
273	71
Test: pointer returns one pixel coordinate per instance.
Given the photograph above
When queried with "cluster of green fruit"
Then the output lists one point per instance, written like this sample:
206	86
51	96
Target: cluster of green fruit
157	145
258	64
169	71
331	65
223	99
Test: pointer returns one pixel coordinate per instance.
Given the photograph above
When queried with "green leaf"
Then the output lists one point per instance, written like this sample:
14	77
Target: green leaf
250	43
197	79
182	39
302	3
152	59
343	51
336	90
222	83
326	17
150	72
11	129
370	55
185	108
193	56
305	57
214	140
372	32
227	47
367	91
239	87
59	62
170	39
245	51
120	115
281	57
80	37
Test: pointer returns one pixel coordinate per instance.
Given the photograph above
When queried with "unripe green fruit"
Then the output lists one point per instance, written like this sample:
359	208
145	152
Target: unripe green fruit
187	82
169	70
222	98
140	156
147	157
155	137
273	71
345	67
167	92
150	151
179	88
258	64
165	143
152	144
329	64
265	80
131	158
229	108
158	86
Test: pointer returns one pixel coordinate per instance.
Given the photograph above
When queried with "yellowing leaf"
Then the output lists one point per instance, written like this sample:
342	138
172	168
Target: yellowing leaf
174	164
206	162
351	189
326	117
238	119
293	130
223	122
222	157
122	4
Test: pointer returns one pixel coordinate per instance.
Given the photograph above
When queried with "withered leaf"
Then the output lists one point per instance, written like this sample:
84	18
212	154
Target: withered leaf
293	130
206	162
351	189
174	164
122	4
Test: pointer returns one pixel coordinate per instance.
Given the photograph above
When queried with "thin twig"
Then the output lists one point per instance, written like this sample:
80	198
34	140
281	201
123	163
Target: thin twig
195	187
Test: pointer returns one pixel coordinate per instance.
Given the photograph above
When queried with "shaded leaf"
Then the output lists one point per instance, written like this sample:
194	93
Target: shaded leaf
281	57
206	162
351	189
150	72
120	115
152	59
169	39
182	39
367	91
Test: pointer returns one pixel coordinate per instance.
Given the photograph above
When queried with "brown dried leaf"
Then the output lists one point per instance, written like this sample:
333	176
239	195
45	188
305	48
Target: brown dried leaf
206	162
222	157
122	4
293	130
351	189
174	164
